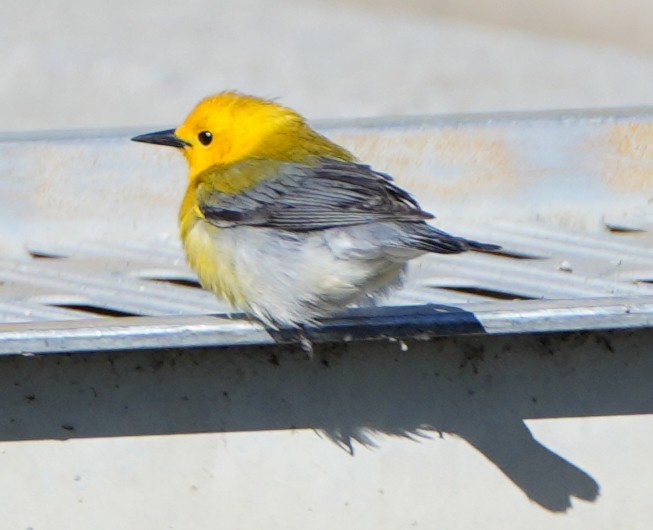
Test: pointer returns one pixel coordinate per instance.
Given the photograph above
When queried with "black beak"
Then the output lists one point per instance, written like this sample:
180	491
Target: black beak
161	138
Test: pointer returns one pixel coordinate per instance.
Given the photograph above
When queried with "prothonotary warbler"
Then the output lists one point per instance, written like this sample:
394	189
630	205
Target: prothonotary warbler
284	224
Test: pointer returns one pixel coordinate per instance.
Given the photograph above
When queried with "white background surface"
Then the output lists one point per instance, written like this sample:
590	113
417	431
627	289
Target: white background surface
72	64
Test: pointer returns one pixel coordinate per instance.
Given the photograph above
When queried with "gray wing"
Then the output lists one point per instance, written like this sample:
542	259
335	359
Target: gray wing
304	198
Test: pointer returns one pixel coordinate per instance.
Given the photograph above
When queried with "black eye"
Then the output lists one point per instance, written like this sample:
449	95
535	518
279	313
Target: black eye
205	137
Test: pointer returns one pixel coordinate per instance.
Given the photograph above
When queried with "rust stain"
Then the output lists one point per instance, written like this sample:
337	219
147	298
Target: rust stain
450	163
476	161
628	163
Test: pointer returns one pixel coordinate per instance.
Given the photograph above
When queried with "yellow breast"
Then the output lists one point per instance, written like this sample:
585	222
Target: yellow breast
212	261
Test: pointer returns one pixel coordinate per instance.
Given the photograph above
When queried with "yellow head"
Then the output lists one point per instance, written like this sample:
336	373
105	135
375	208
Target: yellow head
230	127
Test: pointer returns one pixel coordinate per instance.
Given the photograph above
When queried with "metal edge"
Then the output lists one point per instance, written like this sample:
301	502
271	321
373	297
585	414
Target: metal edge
414	322
384	122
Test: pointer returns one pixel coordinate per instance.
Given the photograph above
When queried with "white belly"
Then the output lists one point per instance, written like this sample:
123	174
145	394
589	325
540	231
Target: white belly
290	278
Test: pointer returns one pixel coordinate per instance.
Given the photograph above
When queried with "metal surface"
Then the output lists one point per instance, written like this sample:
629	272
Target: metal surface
498	417
91	259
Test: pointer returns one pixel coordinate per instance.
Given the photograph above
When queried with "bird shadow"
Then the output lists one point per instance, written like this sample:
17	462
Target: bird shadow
480	389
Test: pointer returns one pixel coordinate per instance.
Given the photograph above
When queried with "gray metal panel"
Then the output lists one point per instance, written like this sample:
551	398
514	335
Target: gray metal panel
91	259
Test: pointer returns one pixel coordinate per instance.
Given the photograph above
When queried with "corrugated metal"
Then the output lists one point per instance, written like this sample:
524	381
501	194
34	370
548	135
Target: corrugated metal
89	233
510	420
92	261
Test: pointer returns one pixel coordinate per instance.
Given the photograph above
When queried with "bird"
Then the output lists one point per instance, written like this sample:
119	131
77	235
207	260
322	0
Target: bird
284	224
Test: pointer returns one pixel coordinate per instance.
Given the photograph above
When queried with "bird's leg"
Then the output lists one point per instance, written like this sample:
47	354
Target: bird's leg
305	343
287	335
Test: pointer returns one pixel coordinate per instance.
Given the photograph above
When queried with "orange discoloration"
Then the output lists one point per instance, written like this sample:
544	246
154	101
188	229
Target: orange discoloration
628	164
444	163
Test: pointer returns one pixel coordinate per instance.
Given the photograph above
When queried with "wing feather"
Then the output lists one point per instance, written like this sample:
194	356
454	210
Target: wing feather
301	198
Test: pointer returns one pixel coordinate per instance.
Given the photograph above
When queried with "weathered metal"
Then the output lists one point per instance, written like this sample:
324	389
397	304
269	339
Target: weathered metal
517	421
88	233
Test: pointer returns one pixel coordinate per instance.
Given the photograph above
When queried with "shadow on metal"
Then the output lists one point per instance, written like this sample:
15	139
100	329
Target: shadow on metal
480	389
366	323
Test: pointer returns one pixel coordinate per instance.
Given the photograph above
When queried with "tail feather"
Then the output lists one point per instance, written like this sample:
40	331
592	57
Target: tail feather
477	246
422	236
